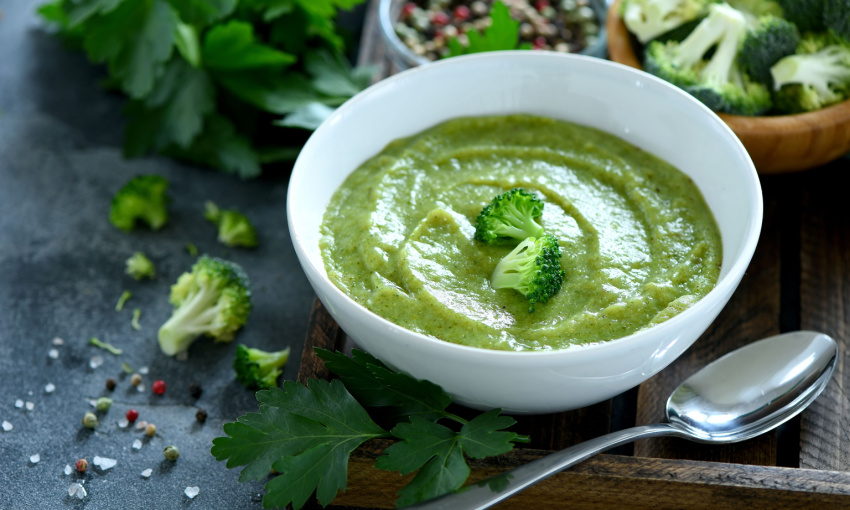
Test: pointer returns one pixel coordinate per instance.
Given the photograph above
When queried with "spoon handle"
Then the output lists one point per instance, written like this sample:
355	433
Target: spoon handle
490	491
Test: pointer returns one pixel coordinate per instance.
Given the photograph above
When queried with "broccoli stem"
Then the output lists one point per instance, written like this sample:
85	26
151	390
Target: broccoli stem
725	27
195	316
817	70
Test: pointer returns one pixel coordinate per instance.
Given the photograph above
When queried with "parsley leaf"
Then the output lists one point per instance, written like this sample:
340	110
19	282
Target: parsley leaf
502	34
222	147
309	116
374	385
202	12
437	452
135	39
233	46
306	433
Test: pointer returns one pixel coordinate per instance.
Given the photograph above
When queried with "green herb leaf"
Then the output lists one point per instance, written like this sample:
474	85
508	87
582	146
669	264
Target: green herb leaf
502	34
135	39
232	46
306	433
434	450
333	76
309	116
220	146
274	93
203	12
373	384
82	10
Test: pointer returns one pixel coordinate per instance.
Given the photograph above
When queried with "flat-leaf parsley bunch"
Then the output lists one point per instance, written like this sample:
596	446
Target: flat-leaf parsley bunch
306	434
205	77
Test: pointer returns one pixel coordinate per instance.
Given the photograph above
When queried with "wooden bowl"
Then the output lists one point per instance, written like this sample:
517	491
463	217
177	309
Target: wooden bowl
777	143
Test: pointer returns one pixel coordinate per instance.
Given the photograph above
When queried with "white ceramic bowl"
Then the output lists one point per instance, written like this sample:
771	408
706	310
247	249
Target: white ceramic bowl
628	103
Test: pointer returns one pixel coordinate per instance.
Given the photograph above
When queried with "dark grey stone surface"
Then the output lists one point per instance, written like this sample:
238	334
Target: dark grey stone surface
62	270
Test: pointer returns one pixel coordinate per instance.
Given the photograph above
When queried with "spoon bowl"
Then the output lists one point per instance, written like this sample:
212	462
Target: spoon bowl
741	395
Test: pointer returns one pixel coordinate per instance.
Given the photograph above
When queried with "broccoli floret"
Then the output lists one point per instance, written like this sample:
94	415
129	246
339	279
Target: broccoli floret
533	269
122	300
213	299
257	369
509	216
817	76
234	228
806	14
143	199
139	266
718	82
648	19
768	39
836	17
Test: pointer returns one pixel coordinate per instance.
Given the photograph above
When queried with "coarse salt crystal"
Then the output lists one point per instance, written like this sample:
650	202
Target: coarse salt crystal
77	490
143	370
104	463
137	444
147	472
96	361
7	426
140	388
123	423
19	403
30	406
53	354
141	424
191	492
58	341
68	469
49	388
35	458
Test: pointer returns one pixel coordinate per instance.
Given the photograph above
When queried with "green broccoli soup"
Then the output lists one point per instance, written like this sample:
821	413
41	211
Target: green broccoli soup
638	243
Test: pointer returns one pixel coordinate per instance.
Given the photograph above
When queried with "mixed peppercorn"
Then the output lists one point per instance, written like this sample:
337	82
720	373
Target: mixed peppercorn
567	26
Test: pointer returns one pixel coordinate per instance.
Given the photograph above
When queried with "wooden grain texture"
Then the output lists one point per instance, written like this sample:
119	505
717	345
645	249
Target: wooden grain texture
751	314
776	144
610	481
825	306
323	332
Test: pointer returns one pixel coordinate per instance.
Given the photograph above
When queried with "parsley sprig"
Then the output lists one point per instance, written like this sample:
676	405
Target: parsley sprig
306	433
221	83
501	34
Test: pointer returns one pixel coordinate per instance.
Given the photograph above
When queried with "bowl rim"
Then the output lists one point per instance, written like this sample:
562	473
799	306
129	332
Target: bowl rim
724	287
598	48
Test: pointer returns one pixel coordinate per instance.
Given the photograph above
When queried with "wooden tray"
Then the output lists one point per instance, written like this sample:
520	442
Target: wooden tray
799	279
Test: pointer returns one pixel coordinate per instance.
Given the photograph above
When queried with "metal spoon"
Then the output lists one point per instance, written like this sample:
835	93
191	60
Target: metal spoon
739	396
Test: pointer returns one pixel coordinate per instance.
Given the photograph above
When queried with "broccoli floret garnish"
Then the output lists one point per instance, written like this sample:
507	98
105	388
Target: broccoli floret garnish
510	216
234	228
836	17
648	19
142	199
213	299
768	39
139	266
806	14
533	269
718	82
257	369
818	75
122	299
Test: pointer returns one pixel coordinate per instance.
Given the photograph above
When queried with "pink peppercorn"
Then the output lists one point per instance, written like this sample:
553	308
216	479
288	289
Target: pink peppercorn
132	415
81	465
539	43
408	9
440	19
462	12
158	387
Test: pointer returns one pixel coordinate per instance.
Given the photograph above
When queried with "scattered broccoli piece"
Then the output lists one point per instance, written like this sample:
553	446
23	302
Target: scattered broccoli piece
139	266
105	346
649	19
135	321
257	369
213	299
817	76
806	14
122	299
718	82
509	216
836	17
234	228
533	269
144	199
191	249
768	39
